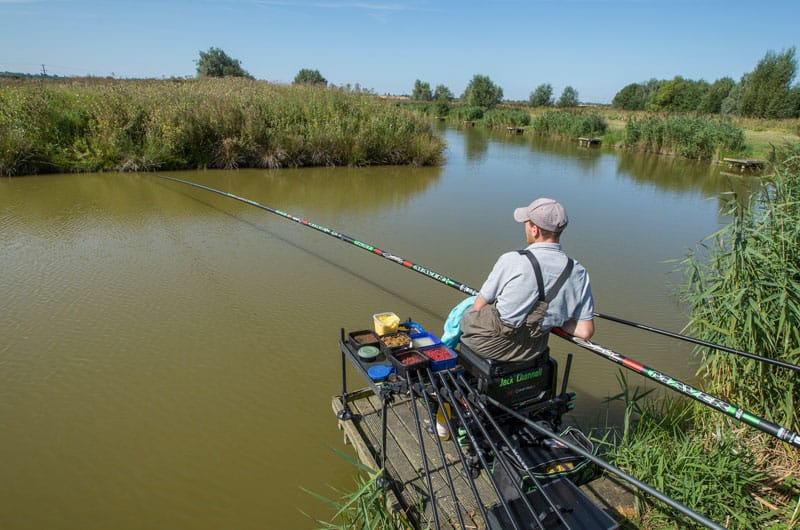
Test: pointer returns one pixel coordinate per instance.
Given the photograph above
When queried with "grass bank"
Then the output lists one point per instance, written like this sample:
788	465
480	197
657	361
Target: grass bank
743	286
100	124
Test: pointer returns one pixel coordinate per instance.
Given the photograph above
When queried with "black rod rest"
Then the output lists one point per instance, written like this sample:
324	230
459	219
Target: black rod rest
345	414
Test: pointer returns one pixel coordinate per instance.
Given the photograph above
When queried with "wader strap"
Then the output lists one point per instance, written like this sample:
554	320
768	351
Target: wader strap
539	280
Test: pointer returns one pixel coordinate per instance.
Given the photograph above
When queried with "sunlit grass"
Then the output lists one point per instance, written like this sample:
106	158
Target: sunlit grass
104	124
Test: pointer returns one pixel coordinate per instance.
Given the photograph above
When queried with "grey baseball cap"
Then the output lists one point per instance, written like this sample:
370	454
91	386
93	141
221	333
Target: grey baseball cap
544	213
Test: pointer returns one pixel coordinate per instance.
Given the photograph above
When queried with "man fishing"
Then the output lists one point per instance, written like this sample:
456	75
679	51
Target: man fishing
530	292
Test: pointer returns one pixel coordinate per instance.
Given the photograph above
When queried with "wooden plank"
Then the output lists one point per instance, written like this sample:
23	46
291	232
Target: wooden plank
588	142
405	465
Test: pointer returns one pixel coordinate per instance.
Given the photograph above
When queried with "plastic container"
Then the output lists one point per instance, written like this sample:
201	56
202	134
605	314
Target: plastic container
368	353
379	372
424	340
411	327
365	337
441	357
385	323
395	342
408	361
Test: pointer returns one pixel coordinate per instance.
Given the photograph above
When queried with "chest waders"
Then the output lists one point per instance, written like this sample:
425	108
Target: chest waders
487	335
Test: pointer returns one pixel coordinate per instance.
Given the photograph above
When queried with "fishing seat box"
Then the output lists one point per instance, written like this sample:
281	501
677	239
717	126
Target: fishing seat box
515	384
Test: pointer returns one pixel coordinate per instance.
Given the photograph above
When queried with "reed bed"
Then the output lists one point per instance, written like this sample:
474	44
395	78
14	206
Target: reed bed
743	286
684	136
570	124
99	124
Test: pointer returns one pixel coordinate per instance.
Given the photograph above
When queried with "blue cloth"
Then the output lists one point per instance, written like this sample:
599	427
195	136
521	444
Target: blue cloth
452	326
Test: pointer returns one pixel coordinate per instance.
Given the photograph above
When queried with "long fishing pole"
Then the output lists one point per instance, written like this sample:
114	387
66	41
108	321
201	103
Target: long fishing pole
425	466
445	467
473	397
338	235
766	426
465	465
699	342
605	465
454	395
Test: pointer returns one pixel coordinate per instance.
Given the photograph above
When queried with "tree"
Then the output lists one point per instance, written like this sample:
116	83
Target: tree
307	76
216	63
442	93
635	96
569	98
766	93
678	95
730	105
482	92
542	96
422	91
711	103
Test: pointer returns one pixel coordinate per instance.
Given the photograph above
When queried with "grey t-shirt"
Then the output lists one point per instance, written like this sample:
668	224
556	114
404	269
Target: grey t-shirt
512	284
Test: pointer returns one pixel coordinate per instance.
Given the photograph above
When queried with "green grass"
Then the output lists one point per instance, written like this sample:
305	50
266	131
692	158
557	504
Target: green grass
743	286
101	124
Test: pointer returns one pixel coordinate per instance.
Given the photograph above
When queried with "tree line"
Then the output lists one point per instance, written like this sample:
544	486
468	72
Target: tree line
766	92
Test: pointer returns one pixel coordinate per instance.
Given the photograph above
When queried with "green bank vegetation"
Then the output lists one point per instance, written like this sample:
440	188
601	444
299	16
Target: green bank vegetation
743	287
66	125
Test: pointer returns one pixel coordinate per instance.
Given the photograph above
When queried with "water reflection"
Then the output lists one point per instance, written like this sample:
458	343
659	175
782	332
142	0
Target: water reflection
680	174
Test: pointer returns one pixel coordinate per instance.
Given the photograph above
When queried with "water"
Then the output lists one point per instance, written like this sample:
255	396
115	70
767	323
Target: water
168	355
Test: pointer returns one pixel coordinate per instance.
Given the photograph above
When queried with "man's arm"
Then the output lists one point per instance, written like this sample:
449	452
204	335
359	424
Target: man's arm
479	303
583	329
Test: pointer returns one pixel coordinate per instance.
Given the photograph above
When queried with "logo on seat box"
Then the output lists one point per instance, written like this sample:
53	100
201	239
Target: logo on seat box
520	377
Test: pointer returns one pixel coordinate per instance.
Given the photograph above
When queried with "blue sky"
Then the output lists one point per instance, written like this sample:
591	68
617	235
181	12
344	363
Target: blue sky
596	46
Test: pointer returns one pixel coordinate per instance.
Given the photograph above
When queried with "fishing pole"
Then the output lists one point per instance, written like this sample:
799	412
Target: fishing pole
699	342
608	467
454	395
422	451
338	235
445	467
473	398
781	433
766	426
464	463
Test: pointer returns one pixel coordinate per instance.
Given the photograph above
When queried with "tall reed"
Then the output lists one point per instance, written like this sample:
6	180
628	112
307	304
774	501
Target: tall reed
744	290
570	124
98	124
743	286
684	136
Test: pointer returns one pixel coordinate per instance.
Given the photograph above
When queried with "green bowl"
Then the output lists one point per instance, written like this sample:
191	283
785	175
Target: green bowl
368	353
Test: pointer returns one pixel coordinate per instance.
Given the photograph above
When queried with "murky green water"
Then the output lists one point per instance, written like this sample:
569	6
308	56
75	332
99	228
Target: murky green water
168	355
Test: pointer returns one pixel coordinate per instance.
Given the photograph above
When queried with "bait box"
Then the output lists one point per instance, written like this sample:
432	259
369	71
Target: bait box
408	361
387	343
364	337
385	323
441	351
424	340
409	326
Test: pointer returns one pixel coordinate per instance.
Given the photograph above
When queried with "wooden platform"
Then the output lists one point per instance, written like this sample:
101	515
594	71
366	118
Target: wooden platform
589	142
744	163
404	465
